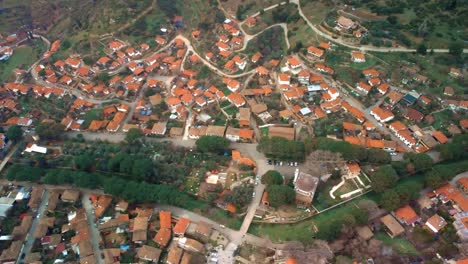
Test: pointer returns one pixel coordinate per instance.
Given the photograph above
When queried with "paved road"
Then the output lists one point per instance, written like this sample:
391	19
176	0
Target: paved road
7	157
94	232
30	236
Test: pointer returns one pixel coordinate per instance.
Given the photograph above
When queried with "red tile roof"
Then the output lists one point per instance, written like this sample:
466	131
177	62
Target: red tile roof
181	225
407	214
165	219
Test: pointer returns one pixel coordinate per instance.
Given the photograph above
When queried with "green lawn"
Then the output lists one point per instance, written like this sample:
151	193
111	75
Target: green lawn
443	119
220	120
94	114
401	245
231	110
303	231
22	57
224	104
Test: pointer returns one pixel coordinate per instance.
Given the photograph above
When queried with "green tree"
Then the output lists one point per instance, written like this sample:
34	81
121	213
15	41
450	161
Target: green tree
282	149
455	150
421	161
133	134
14	133
24	173
42	73
142	169
434	180
329	230
213	144
272	177
280	195
384	178
378	156
104	77
126	164
83	162
86	180
390	200
422	49
49	130
408	191
240	195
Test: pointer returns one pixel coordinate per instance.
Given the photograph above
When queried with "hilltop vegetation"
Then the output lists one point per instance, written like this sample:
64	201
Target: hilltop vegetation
65	17
409	22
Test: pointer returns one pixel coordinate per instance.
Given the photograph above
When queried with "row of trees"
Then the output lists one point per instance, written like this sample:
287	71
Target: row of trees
282	149
127	189
212	144
347	150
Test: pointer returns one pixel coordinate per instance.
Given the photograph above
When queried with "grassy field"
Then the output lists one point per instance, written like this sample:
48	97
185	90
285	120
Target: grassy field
250	6
304	231
224	218
301	32
315	10
401	245
23	57
94	114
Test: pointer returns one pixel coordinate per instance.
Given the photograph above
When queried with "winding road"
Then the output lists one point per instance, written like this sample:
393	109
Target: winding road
341	41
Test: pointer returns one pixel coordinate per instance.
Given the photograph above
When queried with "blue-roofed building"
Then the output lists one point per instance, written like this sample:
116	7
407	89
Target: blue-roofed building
411	97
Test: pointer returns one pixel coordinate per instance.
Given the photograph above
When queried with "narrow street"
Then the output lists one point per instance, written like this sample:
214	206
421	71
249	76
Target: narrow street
7	157
188	123
94	232
29	241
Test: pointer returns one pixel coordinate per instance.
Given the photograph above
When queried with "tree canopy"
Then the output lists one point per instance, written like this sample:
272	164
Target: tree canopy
14	133
49	130
240	195
282	149
421	161
83	162
347	150
384	178
390	200
272	177
133	134
280	195
212	144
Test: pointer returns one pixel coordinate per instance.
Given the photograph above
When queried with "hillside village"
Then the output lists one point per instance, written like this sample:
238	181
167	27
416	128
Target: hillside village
247	132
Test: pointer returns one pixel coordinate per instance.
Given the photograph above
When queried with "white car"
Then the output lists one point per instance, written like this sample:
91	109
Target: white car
253	194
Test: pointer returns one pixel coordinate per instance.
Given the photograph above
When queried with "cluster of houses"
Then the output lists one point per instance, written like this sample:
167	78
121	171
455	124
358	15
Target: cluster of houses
59	238
63	232
151	233
452	195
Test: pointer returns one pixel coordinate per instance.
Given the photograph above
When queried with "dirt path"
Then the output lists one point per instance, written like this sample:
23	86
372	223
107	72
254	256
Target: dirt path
129	23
